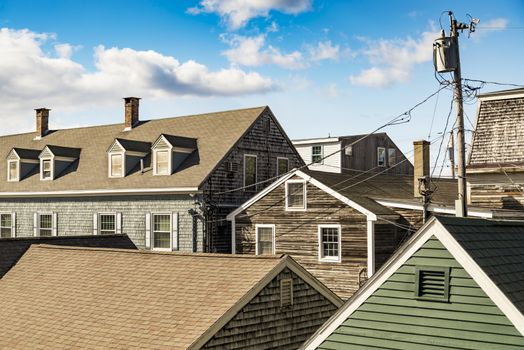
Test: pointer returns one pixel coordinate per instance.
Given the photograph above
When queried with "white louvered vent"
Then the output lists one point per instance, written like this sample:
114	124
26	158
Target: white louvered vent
432	283
115	148
286	292
12	156
46	154
162	144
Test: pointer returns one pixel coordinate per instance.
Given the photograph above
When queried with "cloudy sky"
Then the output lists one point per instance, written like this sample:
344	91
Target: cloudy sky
324	67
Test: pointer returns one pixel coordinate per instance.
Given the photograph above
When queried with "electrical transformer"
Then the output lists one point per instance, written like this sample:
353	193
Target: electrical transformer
444	54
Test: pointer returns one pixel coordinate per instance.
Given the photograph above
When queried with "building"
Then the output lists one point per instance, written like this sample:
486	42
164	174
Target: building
373	153
495	170
94	298
12	249
167	183
457	284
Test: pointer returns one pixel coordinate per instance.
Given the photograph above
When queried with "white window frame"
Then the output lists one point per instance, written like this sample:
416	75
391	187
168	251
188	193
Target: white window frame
99	223
304	184
252	188
394	156
17	170
321	154
51	160
287	162
338	258
170	232
110	164
169	161
273	228
11	228
53	224
378	157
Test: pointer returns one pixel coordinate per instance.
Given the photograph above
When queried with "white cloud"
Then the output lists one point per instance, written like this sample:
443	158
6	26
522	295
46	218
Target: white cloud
324	51
393	60
66	50
237	13
252	52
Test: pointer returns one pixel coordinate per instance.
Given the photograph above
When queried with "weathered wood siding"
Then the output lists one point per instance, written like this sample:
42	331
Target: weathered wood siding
264	324
393	319
296	234
497	191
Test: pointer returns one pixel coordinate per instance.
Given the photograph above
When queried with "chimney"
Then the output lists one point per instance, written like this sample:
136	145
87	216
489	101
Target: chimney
421	165
131	112
42	122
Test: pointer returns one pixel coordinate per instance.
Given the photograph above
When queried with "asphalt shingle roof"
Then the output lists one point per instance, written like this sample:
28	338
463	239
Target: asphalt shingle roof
70	298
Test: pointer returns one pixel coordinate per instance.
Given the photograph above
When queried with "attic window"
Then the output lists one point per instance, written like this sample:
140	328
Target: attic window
286	292
392	156
295	195
47	169
13	170
162	162
432	283
116	165
381	156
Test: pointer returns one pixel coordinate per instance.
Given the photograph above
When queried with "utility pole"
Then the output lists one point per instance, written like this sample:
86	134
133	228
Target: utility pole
451	153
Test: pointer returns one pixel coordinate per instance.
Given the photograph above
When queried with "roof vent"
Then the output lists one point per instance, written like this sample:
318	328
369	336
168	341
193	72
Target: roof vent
286	292
432	283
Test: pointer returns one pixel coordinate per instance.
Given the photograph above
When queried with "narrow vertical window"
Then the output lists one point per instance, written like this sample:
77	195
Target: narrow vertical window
282	166
295	195
47	171
162	162
107	224
13	171
265	239
329	239
45	225
381	156
6	225
162	231
392	156
117	165
250	173
316	154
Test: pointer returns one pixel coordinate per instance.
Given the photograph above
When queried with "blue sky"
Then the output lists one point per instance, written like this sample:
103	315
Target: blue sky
324	67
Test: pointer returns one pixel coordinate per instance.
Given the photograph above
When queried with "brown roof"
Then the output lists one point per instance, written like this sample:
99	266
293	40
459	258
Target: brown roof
216	134
64	297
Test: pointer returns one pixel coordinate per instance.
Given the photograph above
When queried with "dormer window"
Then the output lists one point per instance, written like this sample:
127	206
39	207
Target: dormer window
21	162
169	152
162	162
123	156
54	160
47	169
13	170
116	165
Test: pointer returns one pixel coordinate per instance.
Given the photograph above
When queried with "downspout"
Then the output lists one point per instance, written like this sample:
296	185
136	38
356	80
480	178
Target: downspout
233	238
371	245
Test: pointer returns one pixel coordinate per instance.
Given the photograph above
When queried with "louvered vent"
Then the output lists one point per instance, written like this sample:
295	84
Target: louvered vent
286	292
432	283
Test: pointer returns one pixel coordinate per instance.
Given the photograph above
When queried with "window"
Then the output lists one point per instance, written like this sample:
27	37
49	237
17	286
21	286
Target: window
265	239
107	224
392	156
45	225
162	162
47	169
12	172
117	165
286	292
329	239
316	154
432	283
381	156
250	173
282	166
6	225
162	231
295	195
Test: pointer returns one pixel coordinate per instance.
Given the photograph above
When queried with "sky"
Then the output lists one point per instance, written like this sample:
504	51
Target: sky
324	67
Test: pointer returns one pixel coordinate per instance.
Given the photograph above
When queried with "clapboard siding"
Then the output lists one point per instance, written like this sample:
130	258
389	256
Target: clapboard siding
331	164
497	191
264	324
393	319
296	234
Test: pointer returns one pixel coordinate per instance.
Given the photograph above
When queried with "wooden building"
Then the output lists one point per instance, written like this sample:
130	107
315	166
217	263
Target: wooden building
457	284
95	298
373	153
495	171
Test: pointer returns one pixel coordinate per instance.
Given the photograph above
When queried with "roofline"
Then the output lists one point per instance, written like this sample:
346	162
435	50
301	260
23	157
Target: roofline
502	94
316	140
51	238
334	138
435	208
432	228
102	192
286	262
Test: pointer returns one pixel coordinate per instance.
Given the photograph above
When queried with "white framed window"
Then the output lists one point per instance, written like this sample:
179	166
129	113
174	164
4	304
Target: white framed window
116	165
46	172
45	224
265	239
107	224
161	232
282	165
381	156
13	170
7	225
392	156
316	154
296	195
162	162
330	243
250	173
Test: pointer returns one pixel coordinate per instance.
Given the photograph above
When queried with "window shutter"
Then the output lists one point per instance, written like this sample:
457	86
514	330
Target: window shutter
35	224
95	224
55	224
174	229
13	224
119	223
148	231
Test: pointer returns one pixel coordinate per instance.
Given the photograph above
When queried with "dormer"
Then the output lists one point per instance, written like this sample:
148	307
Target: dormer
125	155
55	159
170	151
20	163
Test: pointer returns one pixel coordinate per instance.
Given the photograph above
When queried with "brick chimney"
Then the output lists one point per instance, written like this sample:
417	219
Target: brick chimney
42	122
131	112
421	165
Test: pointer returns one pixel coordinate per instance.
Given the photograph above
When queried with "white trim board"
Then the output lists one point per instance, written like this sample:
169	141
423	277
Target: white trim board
104	192
439	209
432	228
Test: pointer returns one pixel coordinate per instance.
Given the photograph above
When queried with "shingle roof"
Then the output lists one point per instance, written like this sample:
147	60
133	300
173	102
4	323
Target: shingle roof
136	146
27	153
63	297
60	151
497	247
12	249
216	133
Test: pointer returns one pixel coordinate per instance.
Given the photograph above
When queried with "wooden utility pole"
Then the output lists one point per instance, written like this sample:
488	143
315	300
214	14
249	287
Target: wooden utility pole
451	153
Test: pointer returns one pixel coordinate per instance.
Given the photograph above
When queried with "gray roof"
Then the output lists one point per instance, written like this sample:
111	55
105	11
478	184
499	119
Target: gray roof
497	247
27	153
135	146
60	151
